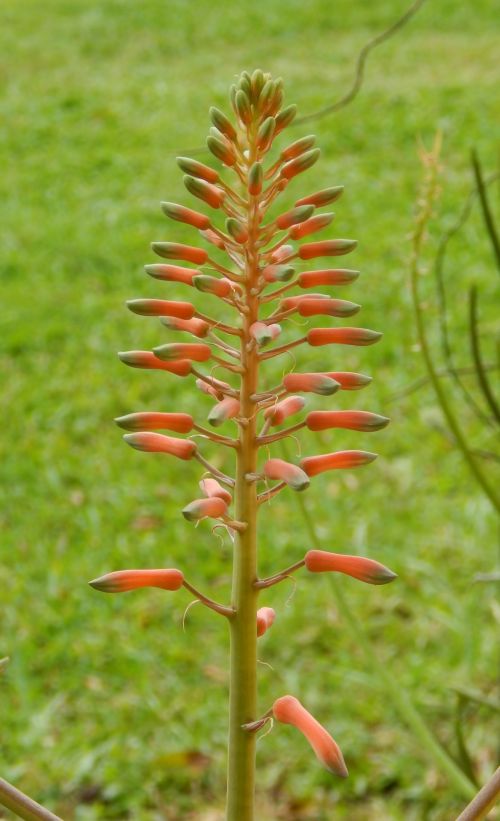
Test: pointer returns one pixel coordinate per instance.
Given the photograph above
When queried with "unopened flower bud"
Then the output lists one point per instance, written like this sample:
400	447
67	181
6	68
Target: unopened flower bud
350	381
282	254
123	580
197	351
350	420
343	336
265	620
174	250
197	169
366	570
205	191
285	117
328	307
299	164
278	273
196	327
158	443
242	107
294	216
327	248
282	410
216	387
263	333
265	133
223	150
312	465
212	507
213	285
319	383
283	471
172	273
228	408
148	361
255	178
237	230
297	148
257	83
328	276
186	215
179	422
324	197
161	307
221	122
311	225
211	487
289	710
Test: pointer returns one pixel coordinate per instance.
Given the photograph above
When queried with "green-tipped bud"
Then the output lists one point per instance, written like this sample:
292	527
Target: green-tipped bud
243	109
212	285
257	83
298	147
222	150
197	169
300	163
265	133
221	122
187	215
324	197
255	177
205	191
237	230
278	273
245	83
266	95
294	216
285	117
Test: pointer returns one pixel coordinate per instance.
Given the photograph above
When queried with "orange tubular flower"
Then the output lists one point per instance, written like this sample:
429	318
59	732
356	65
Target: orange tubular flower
187	215
228	408
342	336
328	307
349	381
172	273
319	383
310	226
122	581
212	507
174	250
366	570
179	422
352	420
148	361
211	487
158	443
196	327
324	197
282	410
289	710
326	276
327	248
292	475
196	351
197	169
161	307
312	465
265	619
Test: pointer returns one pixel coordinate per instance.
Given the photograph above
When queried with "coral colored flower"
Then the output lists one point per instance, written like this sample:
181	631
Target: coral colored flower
228	408
278	273
299	164
212	285
263	333
282	410
348	380
147	360
297	148
286	472
289	710
294	217
310	226
197	169
255	179
312	465
213	506
328	307
366	570
222	149
282	254
179	422
342	336
196	327
175	250
211	487
186	215
161	307
237	230
205	191
265	619
326	276
172	273
352	420
158	443
310	383
292	303
123	580
327	248
324	197
196	351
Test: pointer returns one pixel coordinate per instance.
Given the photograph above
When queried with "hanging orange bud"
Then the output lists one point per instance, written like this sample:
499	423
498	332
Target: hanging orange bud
148	361
172	273
293	217
196	351
299	164
350	381
283	471
212	285
187	215
292	303
221	122
212	507
237	230
311	383
228	408
282	410
255	177
328	307
197	169
211	487
123	580
205	191
263	333
327	248
196	327
297	148
174	250
161	307
342	336
265	619
179	422
289	710
158	443
351	420
310	226
222	149
312	465
328	276
285	117
278	273
324	197
265	133
366	570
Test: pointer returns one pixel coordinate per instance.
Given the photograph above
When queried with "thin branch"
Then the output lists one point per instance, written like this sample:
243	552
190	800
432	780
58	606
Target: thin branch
226	480
485	206
282	434
268	494
282	348
476	355
484	801
422	381
23	806
261	584
216	437
213	605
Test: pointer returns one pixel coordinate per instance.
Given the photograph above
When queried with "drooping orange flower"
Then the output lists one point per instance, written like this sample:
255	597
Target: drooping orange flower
289	710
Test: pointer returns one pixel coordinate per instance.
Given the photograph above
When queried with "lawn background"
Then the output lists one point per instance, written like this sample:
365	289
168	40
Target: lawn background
108	709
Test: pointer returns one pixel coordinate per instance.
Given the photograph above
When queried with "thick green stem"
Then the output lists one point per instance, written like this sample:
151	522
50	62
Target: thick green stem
23	806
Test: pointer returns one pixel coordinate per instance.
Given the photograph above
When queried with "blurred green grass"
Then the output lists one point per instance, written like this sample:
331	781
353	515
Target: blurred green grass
109	710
